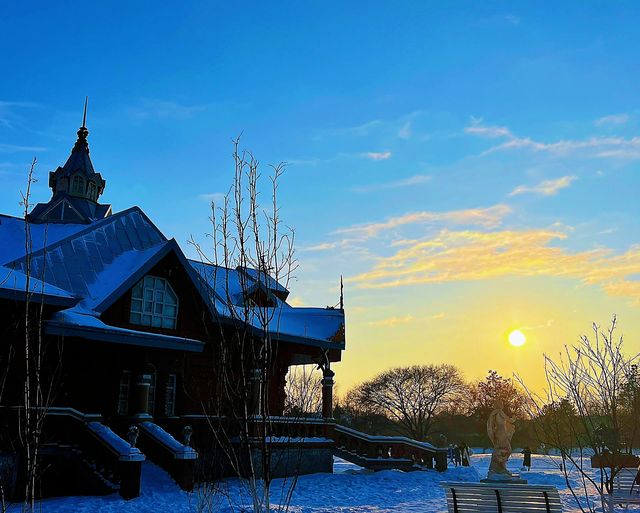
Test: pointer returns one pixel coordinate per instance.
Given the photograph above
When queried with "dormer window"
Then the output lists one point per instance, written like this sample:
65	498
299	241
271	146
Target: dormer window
77	186
92	191
154	303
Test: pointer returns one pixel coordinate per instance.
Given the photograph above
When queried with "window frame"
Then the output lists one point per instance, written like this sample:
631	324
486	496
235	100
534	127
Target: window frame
78	187
147	296
92	191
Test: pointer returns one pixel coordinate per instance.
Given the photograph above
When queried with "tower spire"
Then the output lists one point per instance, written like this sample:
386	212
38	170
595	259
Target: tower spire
82	131
84	116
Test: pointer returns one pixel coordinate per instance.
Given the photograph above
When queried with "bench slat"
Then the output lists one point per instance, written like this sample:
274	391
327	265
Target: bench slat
483	498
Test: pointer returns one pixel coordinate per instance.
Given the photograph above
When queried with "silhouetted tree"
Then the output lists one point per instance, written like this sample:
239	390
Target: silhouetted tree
411	397
483	395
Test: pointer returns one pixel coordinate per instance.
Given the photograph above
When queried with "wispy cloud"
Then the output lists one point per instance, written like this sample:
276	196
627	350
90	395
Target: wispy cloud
401	127
602	147
359	130
215	197
16	148
392	321
325	246
164	109
472	255
545	188
489	217
612	120
405	182
9	112
406	130
375	155
512	19
491	132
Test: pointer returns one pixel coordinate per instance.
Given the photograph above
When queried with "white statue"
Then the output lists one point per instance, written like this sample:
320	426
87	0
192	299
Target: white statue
500	429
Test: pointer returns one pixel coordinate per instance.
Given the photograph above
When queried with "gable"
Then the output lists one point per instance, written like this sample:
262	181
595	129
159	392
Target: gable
192	310
63	210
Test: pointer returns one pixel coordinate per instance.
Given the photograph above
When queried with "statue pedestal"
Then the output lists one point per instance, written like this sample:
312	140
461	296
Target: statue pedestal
506	480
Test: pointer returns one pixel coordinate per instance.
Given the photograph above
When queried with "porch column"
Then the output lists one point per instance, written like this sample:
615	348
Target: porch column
327	392
255	389
141	396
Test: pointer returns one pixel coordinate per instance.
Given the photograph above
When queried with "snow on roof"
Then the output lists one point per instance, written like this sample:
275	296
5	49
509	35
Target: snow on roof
264	278
13	239
231	284
97	263
226	283
73	322
13	285
93	263
324	325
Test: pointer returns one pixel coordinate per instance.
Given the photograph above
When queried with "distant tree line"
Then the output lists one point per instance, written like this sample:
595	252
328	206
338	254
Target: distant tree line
433	403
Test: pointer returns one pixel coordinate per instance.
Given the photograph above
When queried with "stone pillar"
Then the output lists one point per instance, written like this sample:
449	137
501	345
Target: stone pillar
130	479
255	391
141	396
327	392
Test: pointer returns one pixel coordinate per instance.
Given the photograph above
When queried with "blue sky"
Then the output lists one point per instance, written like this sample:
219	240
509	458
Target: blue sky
470	167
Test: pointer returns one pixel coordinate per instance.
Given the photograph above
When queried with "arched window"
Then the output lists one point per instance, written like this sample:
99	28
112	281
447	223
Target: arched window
154	303
92	191
77	186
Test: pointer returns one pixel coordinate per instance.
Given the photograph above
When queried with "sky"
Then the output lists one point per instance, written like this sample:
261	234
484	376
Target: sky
470	168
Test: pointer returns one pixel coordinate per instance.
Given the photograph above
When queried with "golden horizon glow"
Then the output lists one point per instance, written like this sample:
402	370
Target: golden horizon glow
517	338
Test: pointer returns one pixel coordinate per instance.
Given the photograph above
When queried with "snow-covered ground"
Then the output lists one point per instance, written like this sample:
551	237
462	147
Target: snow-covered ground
348	489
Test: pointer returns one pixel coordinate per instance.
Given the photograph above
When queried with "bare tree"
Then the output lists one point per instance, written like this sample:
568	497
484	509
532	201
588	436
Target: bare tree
253	241
483	395
589	408
410	396
304	392
33	417
35	363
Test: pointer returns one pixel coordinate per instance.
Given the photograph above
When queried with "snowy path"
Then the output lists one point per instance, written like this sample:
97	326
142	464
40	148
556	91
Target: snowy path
349	489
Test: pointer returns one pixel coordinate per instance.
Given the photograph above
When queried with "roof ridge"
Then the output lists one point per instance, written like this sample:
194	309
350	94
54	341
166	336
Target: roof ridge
12	217
91	227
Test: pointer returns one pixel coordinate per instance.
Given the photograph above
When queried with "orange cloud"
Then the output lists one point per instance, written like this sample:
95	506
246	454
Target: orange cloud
472	255
489	217
546	187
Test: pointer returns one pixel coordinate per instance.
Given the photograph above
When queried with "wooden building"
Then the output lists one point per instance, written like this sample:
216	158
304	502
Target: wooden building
136	328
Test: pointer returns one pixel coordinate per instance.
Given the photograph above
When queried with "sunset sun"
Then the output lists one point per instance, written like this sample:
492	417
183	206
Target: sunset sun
517	338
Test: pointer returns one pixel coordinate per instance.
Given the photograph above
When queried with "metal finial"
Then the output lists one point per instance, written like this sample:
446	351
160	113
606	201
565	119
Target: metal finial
341	294
82	131
84	116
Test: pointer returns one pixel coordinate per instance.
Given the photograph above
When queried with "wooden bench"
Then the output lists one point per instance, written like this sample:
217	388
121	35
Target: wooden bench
625	488
501	498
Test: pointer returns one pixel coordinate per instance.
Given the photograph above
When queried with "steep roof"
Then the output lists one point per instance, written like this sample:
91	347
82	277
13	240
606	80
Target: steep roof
79	160
231	285
13	285
13	236
93	265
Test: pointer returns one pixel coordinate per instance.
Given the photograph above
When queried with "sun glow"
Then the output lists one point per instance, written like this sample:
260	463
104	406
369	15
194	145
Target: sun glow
517	338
